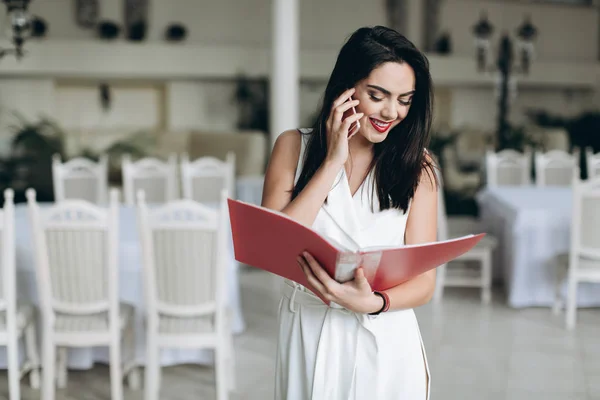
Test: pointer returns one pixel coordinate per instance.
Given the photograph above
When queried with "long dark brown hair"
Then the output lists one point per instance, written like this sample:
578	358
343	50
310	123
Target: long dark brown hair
400	159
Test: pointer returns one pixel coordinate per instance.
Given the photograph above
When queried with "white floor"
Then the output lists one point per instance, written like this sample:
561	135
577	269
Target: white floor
474	351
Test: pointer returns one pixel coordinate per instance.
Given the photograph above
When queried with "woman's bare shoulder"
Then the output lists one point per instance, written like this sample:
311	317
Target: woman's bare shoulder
287	149
281	171
289	140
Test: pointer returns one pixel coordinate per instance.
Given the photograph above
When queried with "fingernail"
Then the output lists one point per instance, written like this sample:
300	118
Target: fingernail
305	254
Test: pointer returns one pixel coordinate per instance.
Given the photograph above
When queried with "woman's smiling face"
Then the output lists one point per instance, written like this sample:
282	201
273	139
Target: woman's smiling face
385	97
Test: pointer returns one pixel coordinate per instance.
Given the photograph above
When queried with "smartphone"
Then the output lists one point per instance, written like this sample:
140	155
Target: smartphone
355	125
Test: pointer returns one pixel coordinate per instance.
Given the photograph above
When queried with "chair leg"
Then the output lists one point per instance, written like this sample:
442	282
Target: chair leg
221	371
152	371
231	353
571	302
131	370
33	356
14	373
116	371
558	299
61	376
439	283
48	367
134	381
486	278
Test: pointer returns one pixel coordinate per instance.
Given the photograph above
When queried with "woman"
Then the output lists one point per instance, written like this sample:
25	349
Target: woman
375	188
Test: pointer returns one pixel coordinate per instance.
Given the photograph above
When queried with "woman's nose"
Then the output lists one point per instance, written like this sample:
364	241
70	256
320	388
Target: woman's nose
390	112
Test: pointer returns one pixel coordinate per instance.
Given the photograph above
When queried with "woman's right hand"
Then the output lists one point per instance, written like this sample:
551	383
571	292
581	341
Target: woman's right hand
337	130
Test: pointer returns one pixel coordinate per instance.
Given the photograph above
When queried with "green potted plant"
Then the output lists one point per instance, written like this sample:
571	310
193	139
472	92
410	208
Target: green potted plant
30	162
518	138
583	130
33	144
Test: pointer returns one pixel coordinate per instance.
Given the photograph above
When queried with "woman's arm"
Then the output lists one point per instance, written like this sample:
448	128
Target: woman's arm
356	295
279	181
421	227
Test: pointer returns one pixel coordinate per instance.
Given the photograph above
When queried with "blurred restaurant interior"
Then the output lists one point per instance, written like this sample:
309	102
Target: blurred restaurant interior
183	99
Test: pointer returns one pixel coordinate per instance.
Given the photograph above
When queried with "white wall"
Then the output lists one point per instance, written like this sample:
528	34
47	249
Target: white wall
79	107
324	24
32	98
210	106
206	105
566	34
477	107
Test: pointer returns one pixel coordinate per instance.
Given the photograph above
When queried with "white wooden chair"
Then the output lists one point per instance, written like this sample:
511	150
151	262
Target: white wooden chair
80	178
184	247
582	264
16	322
593	163
555	139
555	168
157	178
76	246
481	253
508	168
204	179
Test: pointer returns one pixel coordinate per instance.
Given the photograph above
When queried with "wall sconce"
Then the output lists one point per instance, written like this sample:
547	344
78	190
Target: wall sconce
18	25
506	68
483	31
526	34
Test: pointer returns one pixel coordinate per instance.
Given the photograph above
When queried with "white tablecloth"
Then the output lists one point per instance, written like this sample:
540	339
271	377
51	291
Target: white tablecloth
131	291
249	188
533	226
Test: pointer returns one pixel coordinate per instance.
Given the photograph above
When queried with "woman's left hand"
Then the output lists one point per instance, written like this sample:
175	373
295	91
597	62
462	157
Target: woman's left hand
355	295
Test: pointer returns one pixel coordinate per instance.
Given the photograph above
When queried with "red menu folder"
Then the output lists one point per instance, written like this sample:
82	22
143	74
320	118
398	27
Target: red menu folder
272	241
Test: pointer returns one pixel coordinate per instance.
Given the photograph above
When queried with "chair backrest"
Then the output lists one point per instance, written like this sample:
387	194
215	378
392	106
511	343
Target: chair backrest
585	227
593	163
508	168
184	248
80	178
76	255
157	178
8	281
251	149
204	179
555	168
555	139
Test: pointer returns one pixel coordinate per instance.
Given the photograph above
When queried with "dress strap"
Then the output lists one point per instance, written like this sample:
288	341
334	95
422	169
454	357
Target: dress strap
303	137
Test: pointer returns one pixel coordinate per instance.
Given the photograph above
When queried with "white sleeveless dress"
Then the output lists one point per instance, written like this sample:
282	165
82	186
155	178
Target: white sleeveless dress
327	353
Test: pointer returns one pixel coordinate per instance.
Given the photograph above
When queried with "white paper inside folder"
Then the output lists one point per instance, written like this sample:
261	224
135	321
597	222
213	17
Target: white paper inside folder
344	270
347	263
370	263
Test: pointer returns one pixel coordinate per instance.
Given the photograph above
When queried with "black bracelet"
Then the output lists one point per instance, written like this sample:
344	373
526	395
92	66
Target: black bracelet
384	304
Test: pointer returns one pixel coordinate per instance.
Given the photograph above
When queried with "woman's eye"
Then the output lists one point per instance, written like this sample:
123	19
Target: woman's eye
374	98
405	103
